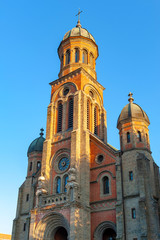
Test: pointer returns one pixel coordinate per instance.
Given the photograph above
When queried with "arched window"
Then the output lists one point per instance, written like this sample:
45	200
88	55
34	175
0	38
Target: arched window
95	121
105	182
70	113
30	166
67	56
76	55
128	137
85	57
58	185
88	114
65	182
139	136
60	114
38	165
91	59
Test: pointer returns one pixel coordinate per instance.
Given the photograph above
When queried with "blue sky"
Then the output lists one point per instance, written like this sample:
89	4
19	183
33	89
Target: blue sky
128	36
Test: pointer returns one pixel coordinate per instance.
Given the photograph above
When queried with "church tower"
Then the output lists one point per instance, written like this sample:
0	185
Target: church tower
137	177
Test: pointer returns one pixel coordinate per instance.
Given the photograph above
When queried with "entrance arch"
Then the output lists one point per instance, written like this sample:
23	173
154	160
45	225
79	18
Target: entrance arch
105	231
53	226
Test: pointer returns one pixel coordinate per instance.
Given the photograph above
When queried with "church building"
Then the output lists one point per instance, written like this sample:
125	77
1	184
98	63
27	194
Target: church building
79	187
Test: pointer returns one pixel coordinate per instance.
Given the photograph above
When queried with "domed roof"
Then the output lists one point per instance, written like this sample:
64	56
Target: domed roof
78	31
37	144
132	110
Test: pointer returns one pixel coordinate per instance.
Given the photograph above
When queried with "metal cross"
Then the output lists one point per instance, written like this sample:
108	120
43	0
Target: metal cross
79	12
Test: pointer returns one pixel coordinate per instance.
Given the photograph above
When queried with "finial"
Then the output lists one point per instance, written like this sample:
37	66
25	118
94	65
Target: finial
130	99
41	133
78	23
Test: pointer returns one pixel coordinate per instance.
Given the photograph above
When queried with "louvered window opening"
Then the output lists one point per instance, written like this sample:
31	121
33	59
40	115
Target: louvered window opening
95	121
60	113
88	115
70	114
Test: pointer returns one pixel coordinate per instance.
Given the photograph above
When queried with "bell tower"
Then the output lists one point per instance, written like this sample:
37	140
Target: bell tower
74	114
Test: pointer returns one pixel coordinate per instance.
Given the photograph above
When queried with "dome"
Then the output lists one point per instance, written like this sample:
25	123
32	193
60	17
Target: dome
78	31
132	110
37	144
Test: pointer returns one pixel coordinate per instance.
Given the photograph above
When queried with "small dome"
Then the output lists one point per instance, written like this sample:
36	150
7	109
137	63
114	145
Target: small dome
132	110
37	144
78	31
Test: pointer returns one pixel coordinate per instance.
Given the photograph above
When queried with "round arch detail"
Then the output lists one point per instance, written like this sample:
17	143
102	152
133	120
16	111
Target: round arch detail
48	226
98	234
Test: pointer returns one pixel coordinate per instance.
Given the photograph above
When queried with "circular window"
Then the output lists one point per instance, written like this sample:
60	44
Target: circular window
65	91
63	164
99	159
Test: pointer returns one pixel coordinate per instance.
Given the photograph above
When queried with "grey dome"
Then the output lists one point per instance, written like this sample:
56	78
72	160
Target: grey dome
132	110
36	145
78	31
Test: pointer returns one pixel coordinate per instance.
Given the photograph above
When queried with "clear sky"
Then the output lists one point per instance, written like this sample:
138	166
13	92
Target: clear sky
127	33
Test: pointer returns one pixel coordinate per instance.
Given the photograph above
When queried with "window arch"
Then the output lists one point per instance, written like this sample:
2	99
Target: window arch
67	56
65	180
96	120
60	114
85	57
139	136
76	55
128	137
105	182
58	185
91	59
70	113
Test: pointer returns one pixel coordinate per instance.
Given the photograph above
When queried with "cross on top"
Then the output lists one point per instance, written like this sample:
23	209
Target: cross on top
78	23
78	14
131	99
41	133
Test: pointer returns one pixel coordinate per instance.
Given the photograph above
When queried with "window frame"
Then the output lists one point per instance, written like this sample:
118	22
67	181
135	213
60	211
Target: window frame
102	194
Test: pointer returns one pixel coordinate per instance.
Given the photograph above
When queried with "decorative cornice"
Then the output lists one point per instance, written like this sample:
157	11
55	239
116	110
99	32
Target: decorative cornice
72	74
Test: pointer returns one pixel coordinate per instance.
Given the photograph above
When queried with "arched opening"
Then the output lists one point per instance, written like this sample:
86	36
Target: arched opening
91	60
85	57
65	180
76	55
128	137
70	113
139	136
105	181
109	234
88	114
67	56
58	185
96	121
60	114
61	234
